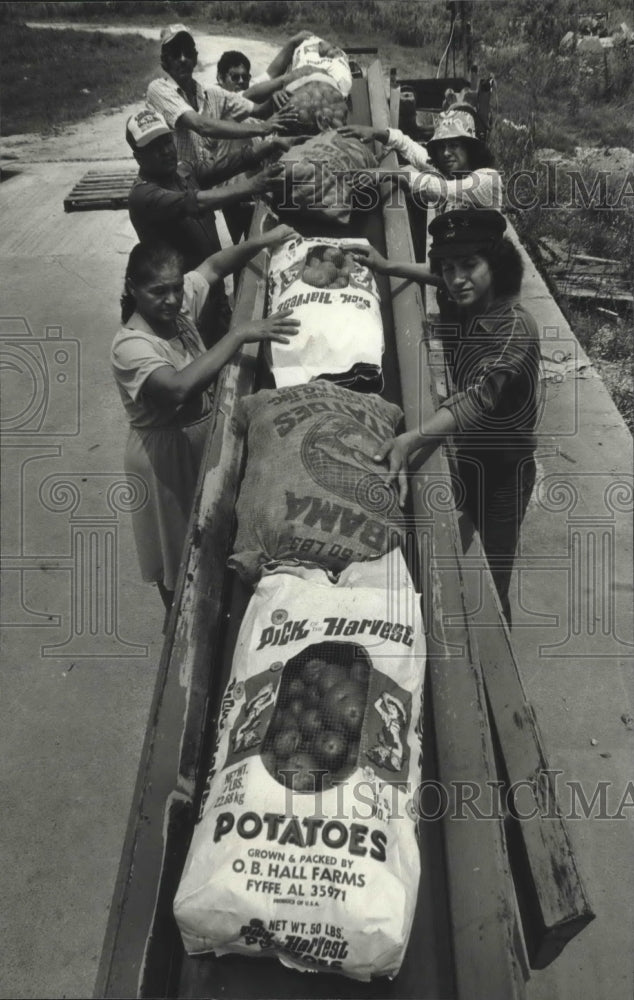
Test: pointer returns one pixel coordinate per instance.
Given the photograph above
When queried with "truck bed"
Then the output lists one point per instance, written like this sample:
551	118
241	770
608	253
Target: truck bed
468	939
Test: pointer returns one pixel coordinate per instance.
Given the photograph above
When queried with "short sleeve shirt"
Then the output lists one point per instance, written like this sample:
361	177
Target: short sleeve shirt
166	97
137	352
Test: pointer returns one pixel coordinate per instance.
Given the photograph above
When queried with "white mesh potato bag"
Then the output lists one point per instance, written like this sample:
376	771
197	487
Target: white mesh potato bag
306	847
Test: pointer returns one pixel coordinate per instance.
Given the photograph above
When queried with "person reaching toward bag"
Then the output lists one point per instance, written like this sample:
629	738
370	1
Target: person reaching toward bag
166	381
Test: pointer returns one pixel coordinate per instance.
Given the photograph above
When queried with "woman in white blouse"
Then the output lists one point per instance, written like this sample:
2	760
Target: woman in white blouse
454	170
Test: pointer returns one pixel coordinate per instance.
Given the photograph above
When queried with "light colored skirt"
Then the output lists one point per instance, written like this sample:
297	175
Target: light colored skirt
167	459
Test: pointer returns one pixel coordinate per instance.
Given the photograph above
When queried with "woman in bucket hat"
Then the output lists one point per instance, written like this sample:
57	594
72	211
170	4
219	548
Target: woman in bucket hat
493	358
455	170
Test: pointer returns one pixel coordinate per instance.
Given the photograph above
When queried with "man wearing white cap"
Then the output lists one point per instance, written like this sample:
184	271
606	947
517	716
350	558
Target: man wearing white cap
168	202
201	117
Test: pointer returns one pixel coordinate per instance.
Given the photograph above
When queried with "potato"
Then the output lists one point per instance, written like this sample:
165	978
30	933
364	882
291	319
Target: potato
315	276
318	99
329	272
334	255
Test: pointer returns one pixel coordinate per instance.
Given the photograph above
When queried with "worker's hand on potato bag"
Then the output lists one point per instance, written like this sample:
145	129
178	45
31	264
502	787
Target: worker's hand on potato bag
396	452
280	98
366	133
275	146
279	327
267	179
283	119
278	235
370	258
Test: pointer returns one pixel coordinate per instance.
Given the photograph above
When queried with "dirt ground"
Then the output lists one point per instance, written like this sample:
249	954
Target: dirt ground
101	137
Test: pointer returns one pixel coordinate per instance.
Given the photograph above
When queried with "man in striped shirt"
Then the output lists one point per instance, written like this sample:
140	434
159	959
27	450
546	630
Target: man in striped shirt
201	118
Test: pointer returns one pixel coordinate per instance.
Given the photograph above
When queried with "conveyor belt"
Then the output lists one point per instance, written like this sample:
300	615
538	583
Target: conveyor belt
467	939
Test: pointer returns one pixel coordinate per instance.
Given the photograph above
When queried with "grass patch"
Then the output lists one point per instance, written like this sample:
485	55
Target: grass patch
608	342
51	78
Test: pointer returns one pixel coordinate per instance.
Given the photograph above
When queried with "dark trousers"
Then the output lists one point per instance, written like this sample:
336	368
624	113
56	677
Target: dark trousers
495	496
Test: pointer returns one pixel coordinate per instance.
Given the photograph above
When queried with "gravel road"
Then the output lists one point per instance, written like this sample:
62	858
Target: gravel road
101	136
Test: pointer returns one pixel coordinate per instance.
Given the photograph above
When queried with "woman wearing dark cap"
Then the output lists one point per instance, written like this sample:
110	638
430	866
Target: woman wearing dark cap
493	359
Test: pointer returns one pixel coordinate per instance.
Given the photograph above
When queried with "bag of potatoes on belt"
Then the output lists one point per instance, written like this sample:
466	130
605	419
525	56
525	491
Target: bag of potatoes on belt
312	492
314	183
337	302
326	59
306	846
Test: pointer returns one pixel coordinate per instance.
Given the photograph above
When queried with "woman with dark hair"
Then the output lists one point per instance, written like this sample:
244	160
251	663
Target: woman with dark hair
166	378
493	358
455	170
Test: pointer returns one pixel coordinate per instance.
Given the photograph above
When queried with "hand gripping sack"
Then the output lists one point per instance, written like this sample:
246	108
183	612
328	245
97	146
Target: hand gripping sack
313	183
306	848
336	300
312	492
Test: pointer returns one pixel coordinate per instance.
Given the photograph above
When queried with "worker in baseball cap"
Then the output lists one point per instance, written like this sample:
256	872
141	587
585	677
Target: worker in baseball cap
200	117
174	203
144	127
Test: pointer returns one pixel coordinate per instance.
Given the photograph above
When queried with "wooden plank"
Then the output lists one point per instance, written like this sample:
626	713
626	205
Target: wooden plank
91	194
119	175
597	294
554	900
481	896
395	99
142	950
87	206
110	185
96	182
553	895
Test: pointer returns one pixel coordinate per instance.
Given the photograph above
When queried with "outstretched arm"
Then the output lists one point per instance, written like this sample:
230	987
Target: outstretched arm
232	258
396	269
399	450
366	133
264	91
244	189
172	388
216	128
284	56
